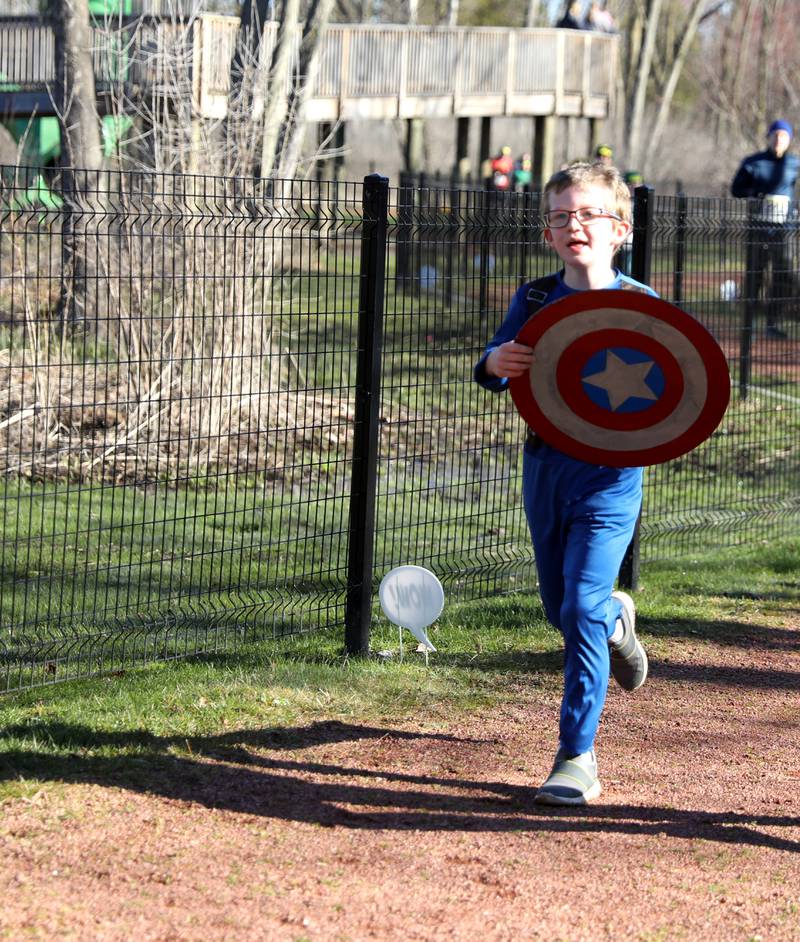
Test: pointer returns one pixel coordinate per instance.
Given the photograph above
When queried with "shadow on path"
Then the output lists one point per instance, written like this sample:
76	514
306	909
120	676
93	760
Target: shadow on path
724	675
729	634
244	778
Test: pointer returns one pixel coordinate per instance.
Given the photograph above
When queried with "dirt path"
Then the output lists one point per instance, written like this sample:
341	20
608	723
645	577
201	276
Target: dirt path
426	830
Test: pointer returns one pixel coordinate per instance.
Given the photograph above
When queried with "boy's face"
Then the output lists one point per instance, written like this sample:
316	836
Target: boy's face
585	246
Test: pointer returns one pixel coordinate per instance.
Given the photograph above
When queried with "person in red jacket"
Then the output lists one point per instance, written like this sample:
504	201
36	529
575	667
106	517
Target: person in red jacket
502	168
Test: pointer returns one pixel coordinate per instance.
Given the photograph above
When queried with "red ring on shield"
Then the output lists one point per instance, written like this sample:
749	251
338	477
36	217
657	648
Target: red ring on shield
553	400
570	381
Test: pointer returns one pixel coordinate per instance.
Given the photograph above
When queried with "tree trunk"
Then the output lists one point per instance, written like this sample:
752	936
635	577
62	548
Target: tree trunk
633	30
644	68
532	14
726	76
290	137
8	147
74	86
239	131
81	152
770	20
678	61
275	100
745	36
452	12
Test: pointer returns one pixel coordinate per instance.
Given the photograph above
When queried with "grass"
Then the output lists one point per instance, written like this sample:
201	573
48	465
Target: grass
144	718
85	554
78	557
89	554
118	574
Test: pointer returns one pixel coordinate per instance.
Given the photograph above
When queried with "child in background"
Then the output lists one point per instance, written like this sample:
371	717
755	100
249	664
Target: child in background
581	516
502	169
523	172
604	155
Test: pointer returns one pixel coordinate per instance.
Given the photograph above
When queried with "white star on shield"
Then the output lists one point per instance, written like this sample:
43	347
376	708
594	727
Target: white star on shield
622	381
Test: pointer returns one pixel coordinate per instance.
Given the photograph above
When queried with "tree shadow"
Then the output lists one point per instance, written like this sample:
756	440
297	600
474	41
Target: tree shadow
243	777
68	736
518	662
727	676
735	634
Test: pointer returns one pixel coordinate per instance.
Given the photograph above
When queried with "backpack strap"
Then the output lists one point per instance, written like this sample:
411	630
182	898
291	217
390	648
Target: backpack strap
627	286
535	297
538	292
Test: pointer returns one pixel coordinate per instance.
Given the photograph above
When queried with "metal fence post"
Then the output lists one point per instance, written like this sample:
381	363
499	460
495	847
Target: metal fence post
641	259
485	215
405	212
752	255
358	609
642	250
680	250
453	235
422	230
523	207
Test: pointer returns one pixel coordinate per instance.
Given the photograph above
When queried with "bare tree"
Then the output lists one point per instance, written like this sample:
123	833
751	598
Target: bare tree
681	51
533	13
659	36
285	157
647	26
245	74
275	96
81	149
748	69
75	86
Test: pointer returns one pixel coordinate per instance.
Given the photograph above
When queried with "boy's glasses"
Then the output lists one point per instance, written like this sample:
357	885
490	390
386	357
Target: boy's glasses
586	216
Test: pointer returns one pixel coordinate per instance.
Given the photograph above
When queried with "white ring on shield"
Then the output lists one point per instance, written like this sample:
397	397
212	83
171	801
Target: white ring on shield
556	339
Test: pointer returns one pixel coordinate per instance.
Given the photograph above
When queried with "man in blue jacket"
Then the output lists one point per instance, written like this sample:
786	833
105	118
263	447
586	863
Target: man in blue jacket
770	176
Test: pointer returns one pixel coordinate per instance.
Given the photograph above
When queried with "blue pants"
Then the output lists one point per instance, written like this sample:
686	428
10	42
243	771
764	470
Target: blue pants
581	517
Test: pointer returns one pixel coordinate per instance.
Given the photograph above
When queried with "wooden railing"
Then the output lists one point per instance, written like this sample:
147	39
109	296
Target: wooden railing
370	71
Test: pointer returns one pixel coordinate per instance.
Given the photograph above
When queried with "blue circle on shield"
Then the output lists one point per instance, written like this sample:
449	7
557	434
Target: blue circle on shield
654	379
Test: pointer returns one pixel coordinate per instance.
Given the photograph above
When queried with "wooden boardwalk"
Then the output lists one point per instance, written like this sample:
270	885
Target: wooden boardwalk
366	71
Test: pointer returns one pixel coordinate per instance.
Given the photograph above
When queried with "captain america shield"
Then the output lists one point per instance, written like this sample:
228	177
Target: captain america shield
621	378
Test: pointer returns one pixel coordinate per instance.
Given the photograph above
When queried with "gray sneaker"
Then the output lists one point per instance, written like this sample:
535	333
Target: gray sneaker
628	658
572	781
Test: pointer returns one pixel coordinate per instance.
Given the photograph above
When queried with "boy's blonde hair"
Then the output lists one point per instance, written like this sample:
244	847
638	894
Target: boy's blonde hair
584	175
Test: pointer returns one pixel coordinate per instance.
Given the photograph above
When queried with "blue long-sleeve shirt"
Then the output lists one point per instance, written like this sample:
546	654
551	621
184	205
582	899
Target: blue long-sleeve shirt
765	174
518	314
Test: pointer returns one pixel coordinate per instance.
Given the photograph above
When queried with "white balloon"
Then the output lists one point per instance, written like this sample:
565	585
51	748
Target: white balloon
412	597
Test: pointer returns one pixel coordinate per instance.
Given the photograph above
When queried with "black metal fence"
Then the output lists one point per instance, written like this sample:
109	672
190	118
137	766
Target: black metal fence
212	387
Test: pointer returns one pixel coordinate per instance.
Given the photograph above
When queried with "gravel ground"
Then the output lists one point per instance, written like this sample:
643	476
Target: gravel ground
426	830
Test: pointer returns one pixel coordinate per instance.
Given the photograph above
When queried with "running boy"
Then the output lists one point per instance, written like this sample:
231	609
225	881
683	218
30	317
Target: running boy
581	516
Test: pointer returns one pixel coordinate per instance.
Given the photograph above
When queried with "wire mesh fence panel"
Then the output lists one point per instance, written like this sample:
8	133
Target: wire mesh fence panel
458	255
449	495
736	271
176	374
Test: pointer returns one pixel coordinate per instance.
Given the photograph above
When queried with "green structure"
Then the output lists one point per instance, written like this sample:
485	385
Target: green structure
41	136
